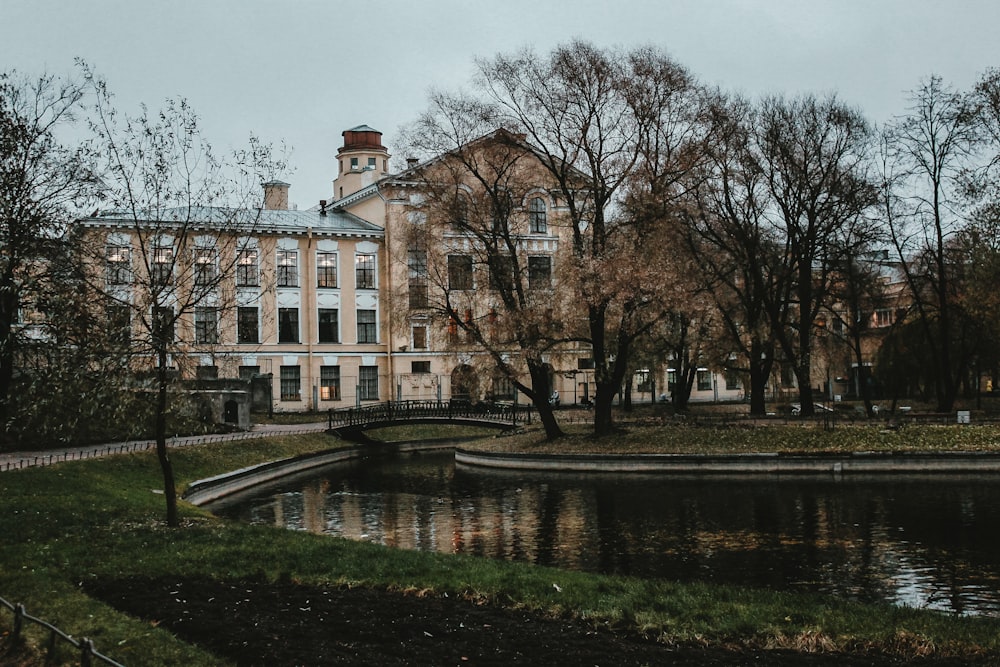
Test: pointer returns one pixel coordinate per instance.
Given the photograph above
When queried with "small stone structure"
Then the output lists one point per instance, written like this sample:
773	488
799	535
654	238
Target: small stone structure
223	401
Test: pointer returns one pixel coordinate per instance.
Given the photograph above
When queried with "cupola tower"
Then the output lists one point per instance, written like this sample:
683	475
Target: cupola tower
362	160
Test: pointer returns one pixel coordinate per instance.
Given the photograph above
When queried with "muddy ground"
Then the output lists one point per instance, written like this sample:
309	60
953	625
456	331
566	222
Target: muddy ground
284	623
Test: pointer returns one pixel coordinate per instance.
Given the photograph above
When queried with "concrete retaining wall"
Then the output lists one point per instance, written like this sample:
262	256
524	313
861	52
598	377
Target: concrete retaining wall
208	490
863	463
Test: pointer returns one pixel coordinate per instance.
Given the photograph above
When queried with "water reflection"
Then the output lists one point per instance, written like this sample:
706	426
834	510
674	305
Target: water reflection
928	542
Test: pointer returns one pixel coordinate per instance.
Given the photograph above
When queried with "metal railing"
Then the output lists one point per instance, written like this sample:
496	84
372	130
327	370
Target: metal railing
81	453
88	654
501	413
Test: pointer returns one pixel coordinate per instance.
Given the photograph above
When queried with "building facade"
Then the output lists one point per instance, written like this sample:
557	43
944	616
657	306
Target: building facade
339	305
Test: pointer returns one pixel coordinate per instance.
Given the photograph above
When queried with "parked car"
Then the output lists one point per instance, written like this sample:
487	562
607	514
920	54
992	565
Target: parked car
817	407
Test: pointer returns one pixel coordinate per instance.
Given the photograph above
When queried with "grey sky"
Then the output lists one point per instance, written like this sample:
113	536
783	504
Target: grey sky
303	71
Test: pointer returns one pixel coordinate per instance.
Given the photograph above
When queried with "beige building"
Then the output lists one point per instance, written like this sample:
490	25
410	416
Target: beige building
321	301
298	299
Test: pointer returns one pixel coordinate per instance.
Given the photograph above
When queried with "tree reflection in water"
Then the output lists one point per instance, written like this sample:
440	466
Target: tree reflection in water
924	542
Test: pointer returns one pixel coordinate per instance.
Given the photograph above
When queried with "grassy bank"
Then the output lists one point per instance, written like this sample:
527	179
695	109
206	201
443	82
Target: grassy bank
680	438
68	524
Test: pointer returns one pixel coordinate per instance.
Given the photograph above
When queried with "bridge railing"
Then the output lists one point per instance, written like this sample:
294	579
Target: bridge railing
506	413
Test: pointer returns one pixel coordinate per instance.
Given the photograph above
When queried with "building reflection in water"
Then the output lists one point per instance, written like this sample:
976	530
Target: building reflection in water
921	542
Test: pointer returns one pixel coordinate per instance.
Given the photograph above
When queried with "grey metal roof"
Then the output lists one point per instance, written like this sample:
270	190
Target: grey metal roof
334	222
362	128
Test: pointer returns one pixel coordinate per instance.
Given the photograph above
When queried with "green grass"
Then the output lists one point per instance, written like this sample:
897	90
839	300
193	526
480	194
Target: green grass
289	417
67	524
746	439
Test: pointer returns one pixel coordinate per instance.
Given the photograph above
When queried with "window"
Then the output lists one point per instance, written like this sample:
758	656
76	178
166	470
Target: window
248	372
288	268
420	367
119	319
247	327
163	325
460	219
206	326
207	372
732	380
371	163
329	383
419	337
704	381
416	261
539	272
501	272
536	216
460	272
161	268
326	269
364	271
354	163
288	325
247	273
643	381
503	388
329	325
452	331
787	375
882	317
367	332
368	383
291	384
204	267
119	265
671	381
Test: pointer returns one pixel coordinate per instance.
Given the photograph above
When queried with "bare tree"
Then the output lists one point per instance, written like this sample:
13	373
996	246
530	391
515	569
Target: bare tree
812	154
42	181
180	223
601	123
929	154
483	198
731	242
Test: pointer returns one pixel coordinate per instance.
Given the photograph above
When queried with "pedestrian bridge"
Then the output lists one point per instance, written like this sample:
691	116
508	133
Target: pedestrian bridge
351	423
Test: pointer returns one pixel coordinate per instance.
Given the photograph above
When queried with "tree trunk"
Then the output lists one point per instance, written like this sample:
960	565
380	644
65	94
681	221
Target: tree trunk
541	391
760	370
603	401
8	308
169	488
864	376
804	377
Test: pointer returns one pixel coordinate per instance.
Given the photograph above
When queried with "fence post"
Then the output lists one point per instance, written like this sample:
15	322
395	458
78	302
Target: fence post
86	651
18	620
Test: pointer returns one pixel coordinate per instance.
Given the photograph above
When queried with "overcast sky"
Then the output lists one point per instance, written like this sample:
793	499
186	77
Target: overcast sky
303	71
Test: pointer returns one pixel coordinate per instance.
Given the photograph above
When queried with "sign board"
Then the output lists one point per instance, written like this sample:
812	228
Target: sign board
963	416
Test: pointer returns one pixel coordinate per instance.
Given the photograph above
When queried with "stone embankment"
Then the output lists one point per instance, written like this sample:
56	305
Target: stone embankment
857	463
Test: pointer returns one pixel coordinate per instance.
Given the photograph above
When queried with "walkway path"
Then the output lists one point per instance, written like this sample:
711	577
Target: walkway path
27	459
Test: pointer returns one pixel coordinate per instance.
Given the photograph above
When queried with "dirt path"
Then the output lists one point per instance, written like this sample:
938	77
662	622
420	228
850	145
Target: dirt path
262	623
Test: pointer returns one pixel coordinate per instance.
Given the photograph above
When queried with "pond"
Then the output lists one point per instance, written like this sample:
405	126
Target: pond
928	542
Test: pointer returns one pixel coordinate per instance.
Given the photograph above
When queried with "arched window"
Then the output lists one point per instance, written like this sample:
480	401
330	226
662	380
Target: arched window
536	216
460	214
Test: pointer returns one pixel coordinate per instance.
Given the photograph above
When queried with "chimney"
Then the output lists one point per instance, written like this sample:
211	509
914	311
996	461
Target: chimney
276	196
322	207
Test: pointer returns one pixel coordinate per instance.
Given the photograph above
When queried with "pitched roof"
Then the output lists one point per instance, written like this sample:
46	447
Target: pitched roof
333	221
